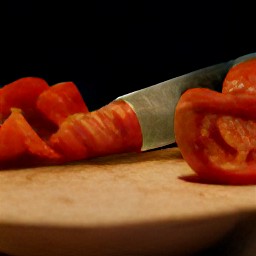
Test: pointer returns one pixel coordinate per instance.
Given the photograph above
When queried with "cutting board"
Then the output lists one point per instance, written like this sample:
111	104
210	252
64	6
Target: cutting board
146	203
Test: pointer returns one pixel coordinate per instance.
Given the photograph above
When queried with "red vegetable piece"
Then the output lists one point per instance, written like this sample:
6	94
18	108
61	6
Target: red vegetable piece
23	94
241	78
111	129
60	101
21	146
220	145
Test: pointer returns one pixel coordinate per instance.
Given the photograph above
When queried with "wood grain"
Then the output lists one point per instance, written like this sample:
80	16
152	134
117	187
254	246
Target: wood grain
128	204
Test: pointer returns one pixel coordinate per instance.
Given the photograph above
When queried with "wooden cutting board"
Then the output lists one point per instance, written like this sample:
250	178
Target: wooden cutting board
128	204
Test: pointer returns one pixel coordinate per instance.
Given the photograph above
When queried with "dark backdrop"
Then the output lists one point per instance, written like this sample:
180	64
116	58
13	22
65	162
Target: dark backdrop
109	48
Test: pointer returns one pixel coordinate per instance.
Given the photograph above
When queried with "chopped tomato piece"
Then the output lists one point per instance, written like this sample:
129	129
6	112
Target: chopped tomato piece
23	94
111	129
220	145
60	101
20	145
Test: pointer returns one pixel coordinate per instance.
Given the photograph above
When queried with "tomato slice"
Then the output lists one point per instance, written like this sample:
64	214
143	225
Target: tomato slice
220	145
60	101
23	94
21	146
111	129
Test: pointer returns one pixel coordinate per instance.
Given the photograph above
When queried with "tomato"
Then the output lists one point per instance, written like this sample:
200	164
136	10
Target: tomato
241	78
21	146
220	144
43	124
111	129
23	94
60	101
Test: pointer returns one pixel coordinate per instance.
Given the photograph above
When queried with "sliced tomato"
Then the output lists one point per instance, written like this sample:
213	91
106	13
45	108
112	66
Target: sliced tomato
21	146
23	94
111	129
220	144
60	101
30	134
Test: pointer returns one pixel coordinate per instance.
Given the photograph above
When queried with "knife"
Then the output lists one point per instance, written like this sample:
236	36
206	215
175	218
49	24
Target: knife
155	105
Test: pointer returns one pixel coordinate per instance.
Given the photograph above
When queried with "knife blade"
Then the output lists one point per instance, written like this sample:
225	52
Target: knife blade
155	105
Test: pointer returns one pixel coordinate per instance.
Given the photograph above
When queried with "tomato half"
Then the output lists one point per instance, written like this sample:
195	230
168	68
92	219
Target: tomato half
220	144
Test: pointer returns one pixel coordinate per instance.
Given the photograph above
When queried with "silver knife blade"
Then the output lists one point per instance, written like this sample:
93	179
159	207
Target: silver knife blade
155	105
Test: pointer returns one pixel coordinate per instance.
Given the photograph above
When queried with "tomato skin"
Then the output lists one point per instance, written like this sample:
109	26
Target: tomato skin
203	147
60	101
111	129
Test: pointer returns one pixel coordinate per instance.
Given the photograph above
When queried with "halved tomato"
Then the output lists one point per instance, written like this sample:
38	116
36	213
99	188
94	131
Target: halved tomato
220	144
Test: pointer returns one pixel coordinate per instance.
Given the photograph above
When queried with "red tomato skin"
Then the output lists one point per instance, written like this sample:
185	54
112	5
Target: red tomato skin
191	109
111	129
60	101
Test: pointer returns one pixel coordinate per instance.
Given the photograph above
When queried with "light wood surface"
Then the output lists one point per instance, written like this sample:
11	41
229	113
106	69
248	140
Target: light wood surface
128	204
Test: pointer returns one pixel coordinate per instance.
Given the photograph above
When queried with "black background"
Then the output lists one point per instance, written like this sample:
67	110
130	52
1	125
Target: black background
109	48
